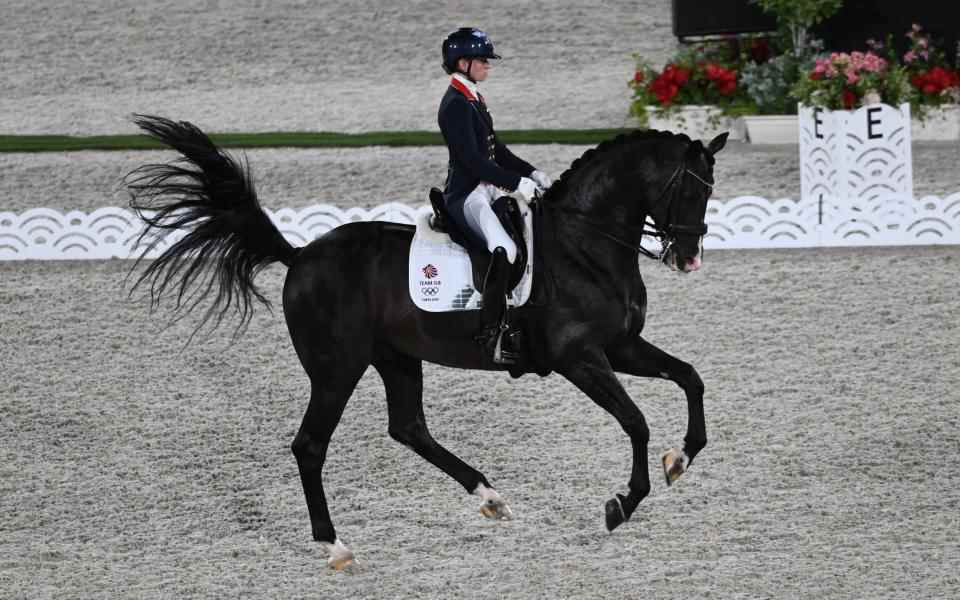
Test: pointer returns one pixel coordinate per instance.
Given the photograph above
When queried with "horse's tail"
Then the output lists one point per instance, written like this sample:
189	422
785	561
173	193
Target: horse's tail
228	239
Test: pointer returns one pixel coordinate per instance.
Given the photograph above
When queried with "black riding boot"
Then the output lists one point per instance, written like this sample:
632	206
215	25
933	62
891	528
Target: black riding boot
493	313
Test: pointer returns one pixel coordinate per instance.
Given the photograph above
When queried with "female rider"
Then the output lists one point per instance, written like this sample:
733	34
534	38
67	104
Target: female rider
480	170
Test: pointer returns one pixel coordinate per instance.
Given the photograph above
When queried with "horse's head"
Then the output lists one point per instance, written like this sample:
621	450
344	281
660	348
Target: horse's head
614	188
680	210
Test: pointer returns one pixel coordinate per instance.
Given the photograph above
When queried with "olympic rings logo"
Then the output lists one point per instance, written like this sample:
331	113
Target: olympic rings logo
429	291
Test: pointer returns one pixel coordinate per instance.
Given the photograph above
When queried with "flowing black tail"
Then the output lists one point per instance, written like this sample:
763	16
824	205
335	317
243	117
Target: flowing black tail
228	239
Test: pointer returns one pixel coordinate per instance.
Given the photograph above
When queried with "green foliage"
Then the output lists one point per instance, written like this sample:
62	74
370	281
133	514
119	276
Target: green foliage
768	84
800	13
323	139
795	17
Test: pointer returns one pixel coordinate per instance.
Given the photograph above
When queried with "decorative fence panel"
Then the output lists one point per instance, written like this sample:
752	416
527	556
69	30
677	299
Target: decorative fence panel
745	222
855	156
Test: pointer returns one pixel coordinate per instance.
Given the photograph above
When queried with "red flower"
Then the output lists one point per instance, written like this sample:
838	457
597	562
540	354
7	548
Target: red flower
664	88
678	75
849	99
935	81
638	76
816	76
725	80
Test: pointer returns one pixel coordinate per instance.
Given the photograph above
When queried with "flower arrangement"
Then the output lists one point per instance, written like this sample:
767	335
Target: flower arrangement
844	81
697	76
934	82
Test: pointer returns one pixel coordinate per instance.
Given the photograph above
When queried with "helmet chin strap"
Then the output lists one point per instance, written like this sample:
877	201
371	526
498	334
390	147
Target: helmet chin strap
469	68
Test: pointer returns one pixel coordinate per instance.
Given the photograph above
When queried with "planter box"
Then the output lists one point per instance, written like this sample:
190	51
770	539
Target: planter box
771	129
942	123
698	122
855	158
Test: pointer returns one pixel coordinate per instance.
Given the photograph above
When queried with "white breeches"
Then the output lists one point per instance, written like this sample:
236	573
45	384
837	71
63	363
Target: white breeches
482	220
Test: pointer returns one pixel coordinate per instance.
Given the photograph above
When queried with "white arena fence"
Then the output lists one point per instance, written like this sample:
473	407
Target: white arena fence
744	222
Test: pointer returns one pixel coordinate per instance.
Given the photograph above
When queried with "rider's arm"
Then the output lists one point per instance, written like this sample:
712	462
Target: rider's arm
458	125
511	161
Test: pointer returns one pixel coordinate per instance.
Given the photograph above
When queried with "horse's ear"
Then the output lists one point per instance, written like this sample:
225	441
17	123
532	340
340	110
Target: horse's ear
717	143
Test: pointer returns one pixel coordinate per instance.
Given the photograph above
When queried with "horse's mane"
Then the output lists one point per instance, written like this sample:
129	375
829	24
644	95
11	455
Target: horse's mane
588	157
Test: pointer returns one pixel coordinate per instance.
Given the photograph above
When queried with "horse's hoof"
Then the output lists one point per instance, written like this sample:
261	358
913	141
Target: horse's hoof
340	556
493	505
615	515
674	465
496	509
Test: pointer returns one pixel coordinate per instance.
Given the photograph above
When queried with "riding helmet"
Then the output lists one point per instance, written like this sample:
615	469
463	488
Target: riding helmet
466	42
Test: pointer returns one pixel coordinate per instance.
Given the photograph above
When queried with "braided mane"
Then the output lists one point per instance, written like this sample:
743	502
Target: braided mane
588	157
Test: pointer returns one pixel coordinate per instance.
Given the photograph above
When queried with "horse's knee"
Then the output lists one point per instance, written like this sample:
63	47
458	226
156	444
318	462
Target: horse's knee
636	427
306	447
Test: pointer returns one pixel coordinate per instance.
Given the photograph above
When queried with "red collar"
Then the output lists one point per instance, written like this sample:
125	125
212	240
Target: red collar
458	85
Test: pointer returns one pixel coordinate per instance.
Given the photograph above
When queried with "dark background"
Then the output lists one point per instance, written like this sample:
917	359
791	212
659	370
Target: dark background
855	23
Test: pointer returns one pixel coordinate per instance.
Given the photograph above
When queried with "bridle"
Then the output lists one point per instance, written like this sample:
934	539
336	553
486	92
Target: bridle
665	233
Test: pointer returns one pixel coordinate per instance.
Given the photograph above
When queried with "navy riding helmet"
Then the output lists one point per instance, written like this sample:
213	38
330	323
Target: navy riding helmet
466	42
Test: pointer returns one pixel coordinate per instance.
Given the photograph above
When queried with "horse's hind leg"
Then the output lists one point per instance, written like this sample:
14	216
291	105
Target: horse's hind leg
403	379
331	386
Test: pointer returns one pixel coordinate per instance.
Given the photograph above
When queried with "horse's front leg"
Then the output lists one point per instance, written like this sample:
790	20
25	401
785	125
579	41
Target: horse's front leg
636	356
595	377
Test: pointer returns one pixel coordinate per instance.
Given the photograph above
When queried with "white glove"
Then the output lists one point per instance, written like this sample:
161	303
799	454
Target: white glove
541	178
526	189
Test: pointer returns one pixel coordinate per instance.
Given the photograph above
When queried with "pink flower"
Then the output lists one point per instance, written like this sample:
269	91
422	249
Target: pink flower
852	77
910	56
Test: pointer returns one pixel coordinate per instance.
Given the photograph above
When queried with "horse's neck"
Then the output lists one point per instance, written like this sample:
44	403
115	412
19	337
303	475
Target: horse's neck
595	236
608	198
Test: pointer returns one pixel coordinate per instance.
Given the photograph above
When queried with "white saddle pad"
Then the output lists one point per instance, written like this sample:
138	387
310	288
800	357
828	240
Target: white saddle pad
440	275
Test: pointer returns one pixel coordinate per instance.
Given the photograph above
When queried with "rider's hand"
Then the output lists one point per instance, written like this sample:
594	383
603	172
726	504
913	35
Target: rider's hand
541	178
527	189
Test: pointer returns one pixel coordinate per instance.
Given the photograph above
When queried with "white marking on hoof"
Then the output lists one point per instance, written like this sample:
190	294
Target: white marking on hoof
493	505
340	556
674	464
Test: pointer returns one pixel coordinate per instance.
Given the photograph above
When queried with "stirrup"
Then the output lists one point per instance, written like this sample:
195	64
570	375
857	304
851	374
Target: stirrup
501	356
491	340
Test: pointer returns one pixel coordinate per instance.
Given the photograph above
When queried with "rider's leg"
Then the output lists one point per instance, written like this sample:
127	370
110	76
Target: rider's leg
493	311
483	221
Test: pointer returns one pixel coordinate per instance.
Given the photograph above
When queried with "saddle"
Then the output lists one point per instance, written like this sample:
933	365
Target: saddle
508	211
446	268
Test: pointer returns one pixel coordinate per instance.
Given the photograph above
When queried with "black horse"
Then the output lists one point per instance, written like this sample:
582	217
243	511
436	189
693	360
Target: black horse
347	304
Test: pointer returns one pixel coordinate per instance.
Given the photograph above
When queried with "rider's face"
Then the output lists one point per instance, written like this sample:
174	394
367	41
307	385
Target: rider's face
479	68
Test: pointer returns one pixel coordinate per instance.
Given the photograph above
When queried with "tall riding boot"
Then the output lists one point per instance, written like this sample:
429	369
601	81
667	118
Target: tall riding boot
493	313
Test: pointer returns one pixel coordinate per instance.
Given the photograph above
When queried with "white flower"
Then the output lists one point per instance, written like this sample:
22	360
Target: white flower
871	97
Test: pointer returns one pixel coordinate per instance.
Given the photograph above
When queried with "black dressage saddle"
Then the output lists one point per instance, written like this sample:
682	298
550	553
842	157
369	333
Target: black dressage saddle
508	211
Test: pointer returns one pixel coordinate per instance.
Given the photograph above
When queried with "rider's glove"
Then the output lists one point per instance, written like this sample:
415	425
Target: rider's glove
541	178
526	189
